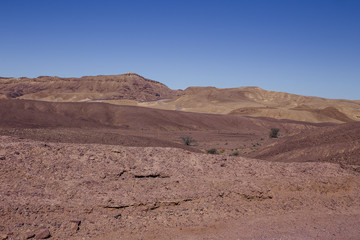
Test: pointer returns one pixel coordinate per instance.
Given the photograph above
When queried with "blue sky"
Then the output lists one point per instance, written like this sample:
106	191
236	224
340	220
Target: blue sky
308	47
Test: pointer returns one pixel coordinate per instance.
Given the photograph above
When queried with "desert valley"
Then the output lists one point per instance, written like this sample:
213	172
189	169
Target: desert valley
125	157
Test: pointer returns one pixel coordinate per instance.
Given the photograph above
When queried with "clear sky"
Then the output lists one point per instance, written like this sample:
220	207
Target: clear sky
308	47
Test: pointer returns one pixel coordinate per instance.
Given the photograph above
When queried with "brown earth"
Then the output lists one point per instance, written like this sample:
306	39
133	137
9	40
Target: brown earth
337	144
95	191
137	126
92	170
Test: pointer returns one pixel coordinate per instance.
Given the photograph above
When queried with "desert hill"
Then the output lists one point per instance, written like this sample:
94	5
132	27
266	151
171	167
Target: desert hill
102	123
73	166
129	86
29	113
337	144
133	89
254	101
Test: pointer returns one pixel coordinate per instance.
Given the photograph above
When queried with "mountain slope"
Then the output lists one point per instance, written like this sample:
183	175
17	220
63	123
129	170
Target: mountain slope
133	89
254	101
29	113
337	144
128	86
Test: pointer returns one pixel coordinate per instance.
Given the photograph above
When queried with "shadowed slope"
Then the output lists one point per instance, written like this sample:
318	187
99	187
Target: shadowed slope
26	113
339	144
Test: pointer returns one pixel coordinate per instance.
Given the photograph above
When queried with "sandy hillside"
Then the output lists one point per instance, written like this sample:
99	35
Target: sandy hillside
338	144
254	101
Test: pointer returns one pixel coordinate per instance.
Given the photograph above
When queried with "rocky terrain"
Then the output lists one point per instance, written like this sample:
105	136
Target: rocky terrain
74	166
82	191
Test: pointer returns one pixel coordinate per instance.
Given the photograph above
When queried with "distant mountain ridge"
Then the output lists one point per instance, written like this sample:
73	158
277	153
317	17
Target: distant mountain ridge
257	102
130	86
133	89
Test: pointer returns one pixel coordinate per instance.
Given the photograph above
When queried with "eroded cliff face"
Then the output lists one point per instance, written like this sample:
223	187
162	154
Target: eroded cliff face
128	86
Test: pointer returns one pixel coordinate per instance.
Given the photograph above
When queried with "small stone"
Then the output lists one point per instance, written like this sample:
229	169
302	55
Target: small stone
75	224
2	158
3	237
43	234
29	235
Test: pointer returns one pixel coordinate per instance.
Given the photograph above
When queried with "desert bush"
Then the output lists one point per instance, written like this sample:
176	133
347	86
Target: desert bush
212	151
236	153
274	133
188	140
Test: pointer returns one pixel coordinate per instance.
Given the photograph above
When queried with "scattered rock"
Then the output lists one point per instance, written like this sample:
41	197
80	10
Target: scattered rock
117	216
29	235
44	234
2	158
19	225
3	237
75	225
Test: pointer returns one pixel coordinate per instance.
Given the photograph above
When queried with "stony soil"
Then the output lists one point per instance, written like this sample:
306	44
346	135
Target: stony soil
101	171
337	144
96	191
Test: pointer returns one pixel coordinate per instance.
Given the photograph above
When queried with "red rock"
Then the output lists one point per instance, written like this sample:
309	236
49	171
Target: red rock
43	234
29	235
75	225
3	237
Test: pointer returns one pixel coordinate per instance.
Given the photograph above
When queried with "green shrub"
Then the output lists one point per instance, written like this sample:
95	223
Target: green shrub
188	140
236	153
212	151
274	133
